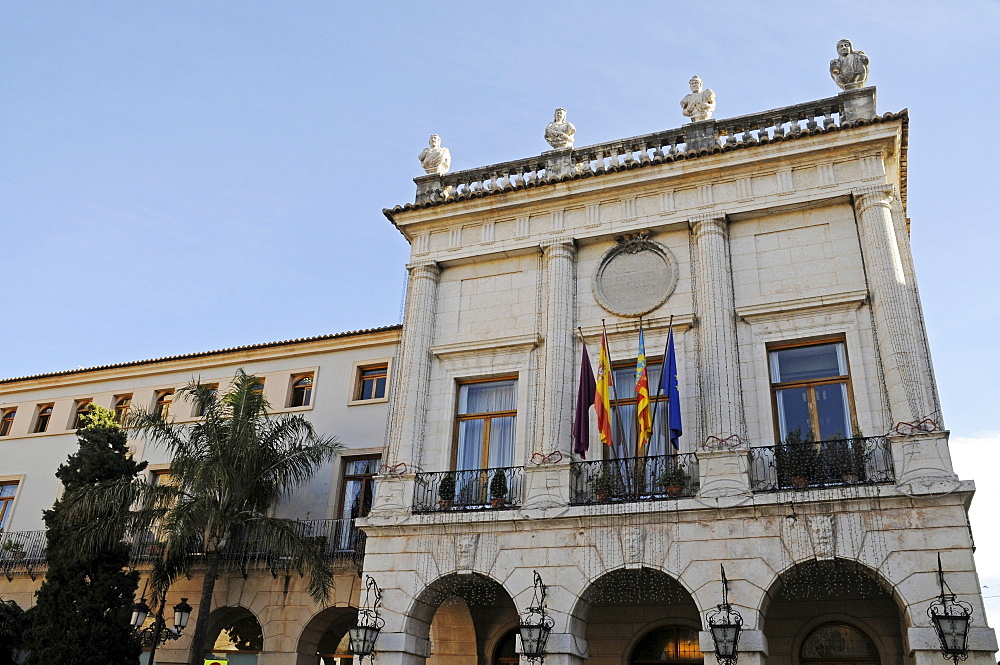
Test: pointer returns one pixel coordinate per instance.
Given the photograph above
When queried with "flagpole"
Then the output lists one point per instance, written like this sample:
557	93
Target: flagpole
614	391
663	368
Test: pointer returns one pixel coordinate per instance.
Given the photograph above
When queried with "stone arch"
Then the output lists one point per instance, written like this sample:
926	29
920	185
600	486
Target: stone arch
329	620
473	603
241	625
621	606
811	593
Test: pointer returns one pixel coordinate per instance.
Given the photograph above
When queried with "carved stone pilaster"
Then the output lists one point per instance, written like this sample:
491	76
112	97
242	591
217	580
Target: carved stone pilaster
896	321
409	398
722	406
559	258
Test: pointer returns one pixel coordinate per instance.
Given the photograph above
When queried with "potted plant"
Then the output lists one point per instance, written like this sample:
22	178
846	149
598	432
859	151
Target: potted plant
838	461
446	491
603	483
858	454
673	479
498	489
14	548
798	458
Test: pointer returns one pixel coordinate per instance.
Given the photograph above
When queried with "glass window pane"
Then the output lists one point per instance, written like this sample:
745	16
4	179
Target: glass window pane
488	397
380	388
8	490
624	382
793	412
470	445
501	442
834	415
808	362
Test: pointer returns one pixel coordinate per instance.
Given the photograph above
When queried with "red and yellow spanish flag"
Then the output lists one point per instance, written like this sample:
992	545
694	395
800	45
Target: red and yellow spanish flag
602	397
643	409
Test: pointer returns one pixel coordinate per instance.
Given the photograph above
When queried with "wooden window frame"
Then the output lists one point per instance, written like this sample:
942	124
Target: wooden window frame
810	385
484	453
345	477
292	388
122	413
196	410
7	503
80	407
359	382
39	428
7	417
159	402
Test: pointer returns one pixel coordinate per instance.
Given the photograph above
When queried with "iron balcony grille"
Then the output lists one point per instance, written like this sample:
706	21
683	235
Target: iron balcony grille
22	552
634	479
475	489
835	463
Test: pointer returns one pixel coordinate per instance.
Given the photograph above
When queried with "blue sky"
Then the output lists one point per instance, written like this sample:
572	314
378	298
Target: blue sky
184	176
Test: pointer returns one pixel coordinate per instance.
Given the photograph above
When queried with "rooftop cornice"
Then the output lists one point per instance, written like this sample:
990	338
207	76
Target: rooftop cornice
390	332
846	111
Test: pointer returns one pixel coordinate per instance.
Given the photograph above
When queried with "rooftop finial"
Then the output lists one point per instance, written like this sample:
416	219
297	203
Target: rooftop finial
435	158
850	70
559	133
700	103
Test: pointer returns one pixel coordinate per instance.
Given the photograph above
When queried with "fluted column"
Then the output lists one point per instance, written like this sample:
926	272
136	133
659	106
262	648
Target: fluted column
412	371
721	402
896	320
557	383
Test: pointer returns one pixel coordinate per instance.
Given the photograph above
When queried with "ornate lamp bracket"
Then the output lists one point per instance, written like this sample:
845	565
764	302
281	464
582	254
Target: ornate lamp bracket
951	619
725	624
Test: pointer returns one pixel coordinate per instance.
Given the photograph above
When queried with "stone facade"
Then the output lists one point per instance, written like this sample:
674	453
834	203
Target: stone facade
747	236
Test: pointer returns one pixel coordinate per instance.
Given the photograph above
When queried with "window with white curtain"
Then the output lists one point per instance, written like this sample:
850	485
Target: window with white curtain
487	414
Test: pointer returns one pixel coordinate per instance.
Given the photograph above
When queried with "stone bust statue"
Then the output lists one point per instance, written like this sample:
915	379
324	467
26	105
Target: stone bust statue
700	103
559	133
850	70
434	158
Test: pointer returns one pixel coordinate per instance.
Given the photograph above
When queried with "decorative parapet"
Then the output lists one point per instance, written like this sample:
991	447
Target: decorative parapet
840	111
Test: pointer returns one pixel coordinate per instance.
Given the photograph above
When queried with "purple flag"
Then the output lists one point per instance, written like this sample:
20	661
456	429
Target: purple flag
584	400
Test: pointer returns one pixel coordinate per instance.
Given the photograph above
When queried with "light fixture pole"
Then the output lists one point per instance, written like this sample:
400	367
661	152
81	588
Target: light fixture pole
951	619
158	633
362	637
725	624
535	625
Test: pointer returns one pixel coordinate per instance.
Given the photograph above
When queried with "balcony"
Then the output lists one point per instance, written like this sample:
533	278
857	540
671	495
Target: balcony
22	552
477	489
836	463
339	540
651	478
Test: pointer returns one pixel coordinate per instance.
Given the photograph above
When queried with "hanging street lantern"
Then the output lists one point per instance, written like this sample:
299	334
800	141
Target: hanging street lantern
362	637
535	625
725	624
951	619
158	631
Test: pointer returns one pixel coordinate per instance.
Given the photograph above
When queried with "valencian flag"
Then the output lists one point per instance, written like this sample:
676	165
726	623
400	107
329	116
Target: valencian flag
643	410
602	395
584	400
668	385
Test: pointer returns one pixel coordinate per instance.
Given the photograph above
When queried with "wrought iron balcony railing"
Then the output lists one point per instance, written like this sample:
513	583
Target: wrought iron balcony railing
22	552
338	540
634	479
840	462
476	489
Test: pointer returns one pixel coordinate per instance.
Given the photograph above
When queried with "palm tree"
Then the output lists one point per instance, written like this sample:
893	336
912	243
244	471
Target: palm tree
227	470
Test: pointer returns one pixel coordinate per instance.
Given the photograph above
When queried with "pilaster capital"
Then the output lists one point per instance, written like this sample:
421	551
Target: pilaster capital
559	248
873	195
424	269
711	222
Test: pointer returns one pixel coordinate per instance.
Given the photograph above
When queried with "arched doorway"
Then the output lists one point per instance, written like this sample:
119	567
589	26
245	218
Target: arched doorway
837	644
324	639
833	611
668	645
506	650
639	615
235	635
463	617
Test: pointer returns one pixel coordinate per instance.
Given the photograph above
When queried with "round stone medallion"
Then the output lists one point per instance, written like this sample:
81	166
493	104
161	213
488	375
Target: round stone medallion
635	277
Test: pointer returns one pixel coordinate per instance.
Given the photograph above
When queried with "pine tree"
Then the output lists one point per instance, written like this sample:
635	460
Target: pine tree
83	610
13	623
